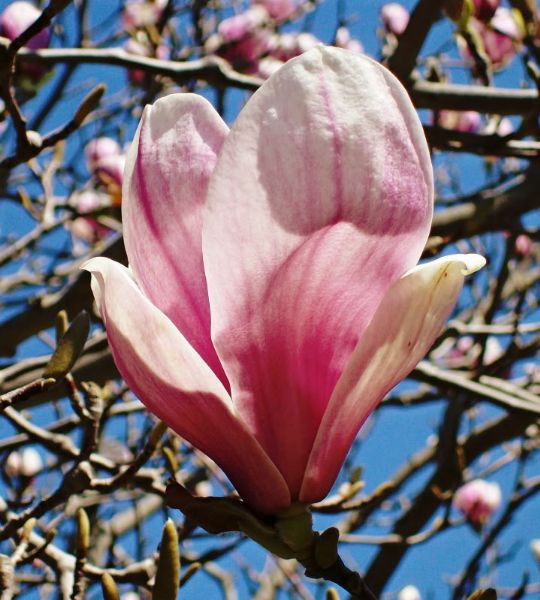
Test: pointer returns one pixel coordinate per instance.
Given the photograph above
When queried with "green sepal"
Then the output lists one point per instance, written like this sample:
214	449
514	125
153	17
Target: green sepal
221	515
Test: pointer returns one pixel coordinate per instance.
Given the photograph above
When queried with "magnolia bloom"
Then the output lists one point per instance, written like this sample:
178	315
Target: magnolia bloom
344	40
17	17
289	45
468	121
523	245
243	39
395	18
278	9
500	38
106	161
272	298
142	13
478	500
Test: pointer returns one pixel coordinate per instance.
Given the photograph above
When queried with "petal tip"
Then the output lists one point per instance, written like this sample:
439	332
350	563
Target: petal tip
472	263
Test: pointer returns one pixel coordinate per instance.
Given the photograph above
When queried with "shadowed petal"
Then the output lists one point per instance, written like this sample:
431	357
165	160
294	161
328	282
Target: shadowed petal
175	384
403	329
166	177
321	199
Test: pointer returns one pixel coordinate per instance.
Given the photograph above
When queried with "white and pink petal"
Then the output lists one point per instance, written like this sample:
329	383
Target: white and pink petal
168	167
409	319
174	383
321	198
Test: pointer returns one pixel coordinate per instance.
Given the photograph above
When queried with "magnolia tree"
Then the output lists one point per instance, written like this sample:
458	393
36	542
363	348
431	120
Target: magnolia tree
269	290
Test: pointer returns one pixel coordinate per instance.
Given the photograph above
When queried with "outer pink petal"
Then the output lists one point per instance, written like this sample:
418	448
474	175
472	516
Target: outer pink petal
403	329
321	198
174	382
166	177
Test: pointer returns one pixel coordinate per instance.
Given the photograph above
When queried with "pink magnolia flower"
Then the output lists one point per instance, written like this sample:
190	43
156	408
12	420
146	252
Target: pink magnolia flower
272	298
478	500
500	38
344	40
106	160
395	18
243	39
523	245
465	121
142	13
278	9
17	17
289	45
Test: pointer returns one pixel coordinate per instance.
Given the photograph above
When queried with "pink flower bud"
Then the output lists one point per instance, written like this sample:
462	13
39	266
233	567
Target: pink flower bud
395	18
344	40
142	13
485	9
290	45
88	201
499	38
409	592
17	17
467	122
478	500
278	9
523	245
88	229
98	149
238	27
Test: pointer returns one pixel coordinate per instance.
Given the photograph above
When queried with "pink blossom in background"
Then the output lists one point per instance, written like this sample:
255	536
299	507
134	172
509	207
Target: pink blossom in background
142	13
237	27
243	39
468	121
106	160
100	148
344	40
142	46
290	45
485	9
523	245
478	500
273	296
500	38
17	17
395	18
278	9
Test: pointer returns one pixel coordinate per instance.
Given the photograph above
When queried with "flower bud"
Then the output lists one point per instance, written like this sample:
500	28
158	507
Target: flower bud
395	18
409	592
278	9
478	500
535	549
142	13
523	245
100	148
465	121
23	464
